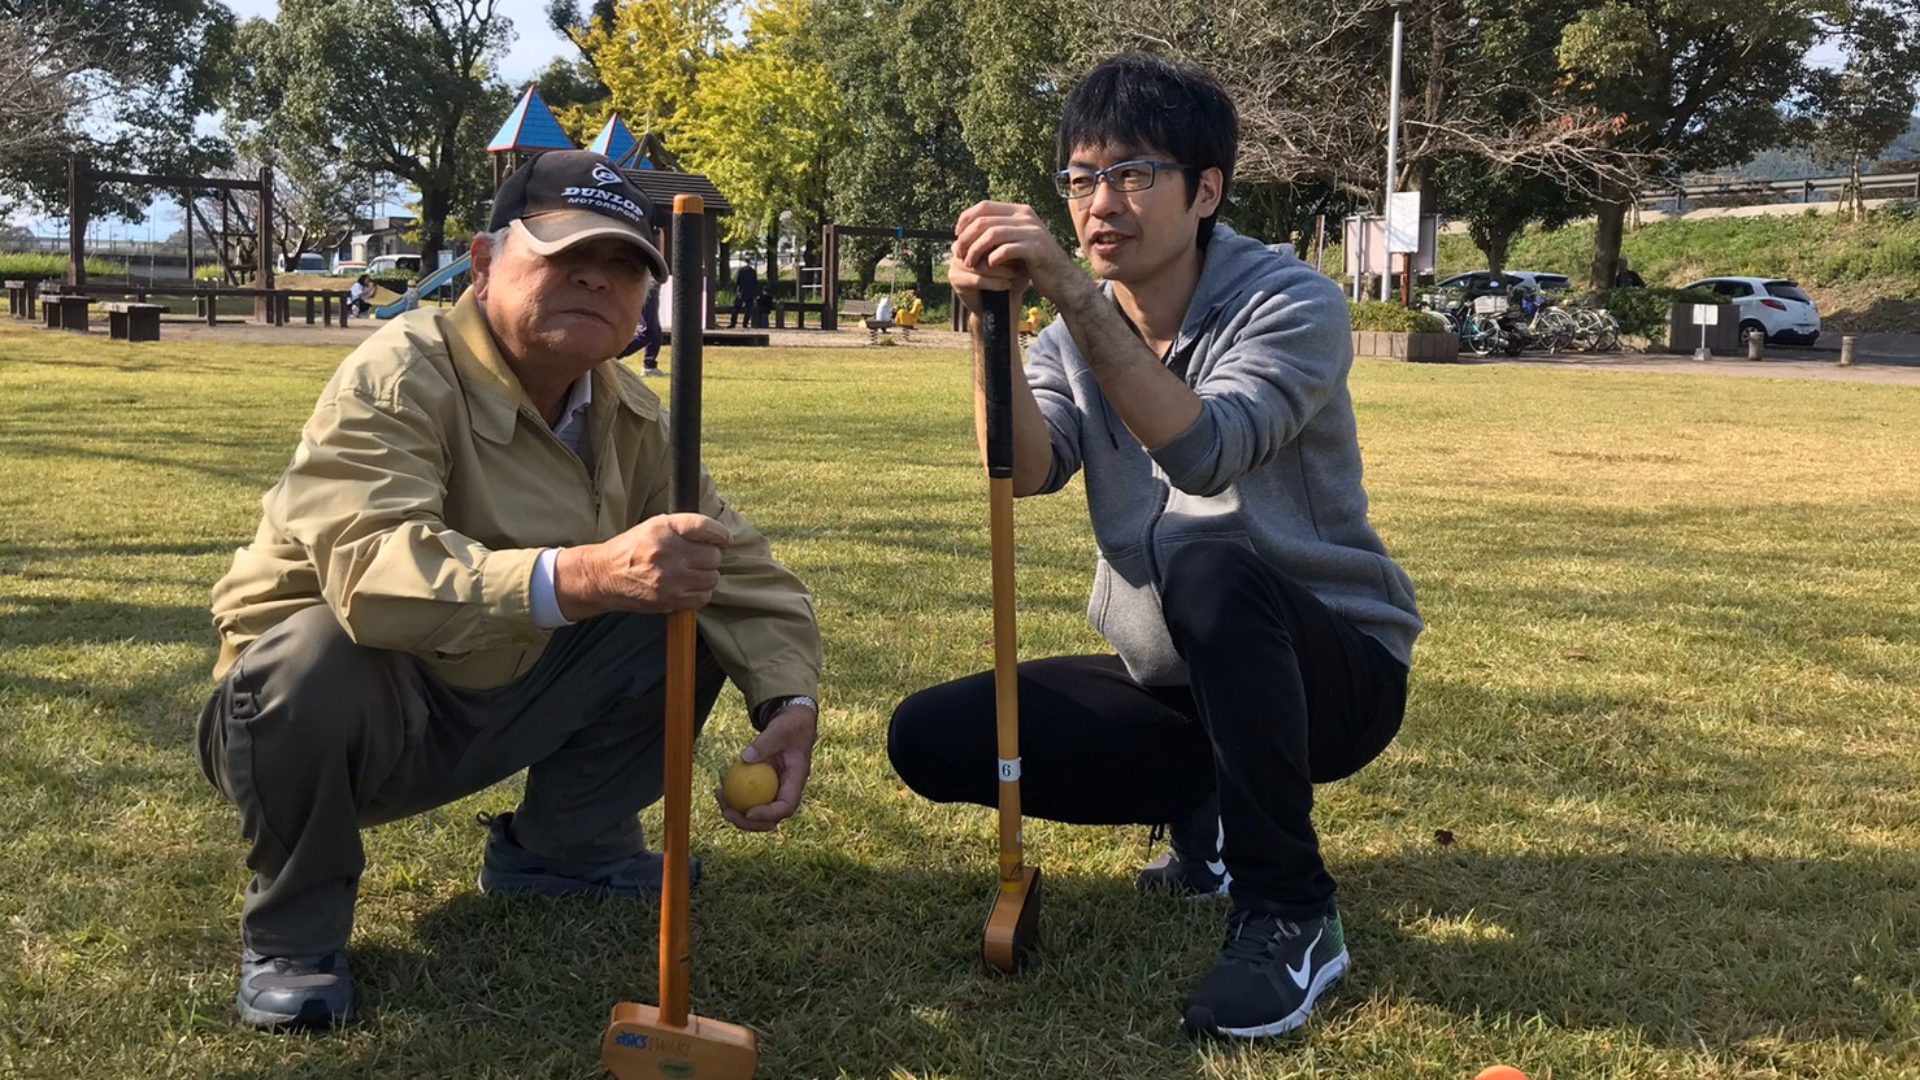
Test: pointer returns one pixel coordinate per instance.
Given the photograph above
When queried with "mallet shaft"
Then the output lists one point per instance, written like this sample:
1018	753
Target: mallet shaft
682	628
996	338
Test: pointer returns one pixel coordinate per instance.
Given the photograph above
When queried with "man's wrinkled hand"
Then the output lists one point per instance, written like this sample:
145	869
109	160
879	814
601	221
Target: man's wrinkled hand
787	745
665	563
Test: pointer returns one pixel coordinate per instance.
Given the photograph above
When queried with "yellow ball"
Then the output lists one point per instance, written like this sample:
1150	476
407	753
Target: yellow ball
749	784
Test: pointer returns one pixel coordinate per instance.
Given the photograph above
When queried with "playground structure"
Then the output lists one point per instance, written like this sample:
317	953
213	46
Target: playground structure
269	305
830	237
528	129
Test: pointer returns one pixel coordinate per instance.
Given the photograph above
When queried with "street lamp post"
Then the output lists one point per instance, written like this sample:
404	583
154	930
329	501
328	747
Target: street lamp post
1393	144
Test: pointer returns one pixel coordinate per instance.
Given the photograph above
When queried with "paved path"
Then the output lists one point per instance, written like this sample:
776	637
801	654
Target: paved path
1879	358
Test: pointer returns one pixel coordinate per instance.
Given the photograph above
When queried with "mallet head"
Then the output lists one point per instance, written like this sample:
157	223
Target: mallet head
1013	926
639	1045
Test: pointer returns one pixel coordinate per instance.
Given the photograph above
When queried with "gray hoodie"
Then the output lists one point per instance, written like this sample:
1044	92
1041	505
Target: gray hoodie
1273	461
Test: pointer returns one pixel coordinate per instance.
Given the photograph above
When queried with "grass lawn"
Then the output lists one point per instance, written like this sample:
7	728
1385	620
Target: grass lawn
1667	710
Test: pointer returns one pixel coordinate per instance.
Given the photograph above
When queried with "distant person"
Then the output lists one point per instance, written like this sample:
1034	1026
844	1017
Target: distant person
1624	277
360	296
746	295
648	336
883	311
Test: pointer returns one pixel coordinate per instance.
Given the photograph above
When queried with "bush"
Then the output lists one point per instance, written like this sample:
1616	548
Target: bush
394	283
1389	317
46	264
1644	311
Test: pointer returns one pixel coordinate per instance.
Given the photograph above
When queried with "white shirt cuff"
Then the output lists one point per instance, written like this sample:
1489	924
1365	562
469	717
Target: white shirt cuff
546	603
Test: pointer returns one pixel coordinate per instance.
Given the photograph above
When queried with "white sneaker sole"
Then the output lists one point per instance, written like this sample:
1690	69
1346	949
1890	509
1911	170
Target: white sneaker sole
1322	979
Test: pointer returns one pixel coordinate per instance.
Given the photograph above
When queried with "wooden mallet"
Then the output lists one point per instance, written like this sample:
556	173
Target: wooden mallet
644	1042
1013	924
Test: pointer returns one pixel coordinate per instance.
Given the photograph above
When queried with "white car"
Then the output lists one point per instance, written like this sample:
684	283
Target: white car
1777	308
1482	281
393	264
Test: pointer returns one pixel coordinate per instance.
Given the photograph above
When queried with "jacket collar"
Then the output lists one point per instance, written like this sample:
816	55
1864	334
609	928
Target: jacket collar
494	395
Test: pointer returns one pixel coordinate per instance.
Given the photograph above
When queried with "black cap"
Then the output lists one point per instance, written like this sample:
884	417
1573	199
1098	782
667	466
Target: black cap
562	197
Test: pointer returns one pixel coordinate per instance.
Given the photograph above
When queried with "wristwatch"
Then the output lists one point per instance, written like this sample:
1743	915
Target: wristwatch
771	707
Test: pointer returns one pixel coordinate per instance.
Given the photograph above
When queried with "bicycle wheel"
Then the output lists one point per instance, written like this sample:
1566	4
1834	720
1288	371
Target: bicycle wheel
1609	331
1483	335
1556	330
1586	329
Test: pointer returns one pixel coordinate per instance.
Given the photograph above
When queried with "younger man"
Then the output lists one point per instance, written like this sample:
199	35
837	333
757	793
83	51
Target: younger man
1263	634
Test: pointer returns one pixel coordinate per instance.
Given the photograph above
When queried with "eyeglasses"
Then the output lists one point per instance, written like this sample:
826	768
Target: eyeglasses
1121	176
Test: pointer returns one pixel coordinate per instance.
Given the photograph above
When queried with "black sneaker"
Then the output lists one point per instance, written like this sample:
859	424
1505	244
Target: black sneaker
1271	971
507	869
1192	866
282	993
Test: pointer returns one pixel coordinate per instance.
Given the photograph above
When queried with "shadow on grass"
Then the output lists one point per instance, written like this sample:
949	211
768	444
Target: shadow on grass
849	968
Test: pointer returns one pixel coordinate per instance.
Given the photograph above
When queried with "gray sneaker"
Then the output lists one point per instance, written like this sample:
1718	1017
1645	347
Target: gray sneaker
508	869
283	993
1192	866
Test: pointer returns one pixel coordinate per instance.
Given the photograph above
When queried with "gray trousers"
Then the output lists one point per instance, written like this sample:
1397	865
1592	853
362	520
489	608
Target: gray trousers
314	738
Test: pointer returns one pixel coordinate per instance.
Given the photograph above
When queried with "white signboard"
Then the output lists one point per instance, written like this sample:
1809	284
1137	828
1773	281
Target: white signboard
666	303
1403	223
1489	305
1706	314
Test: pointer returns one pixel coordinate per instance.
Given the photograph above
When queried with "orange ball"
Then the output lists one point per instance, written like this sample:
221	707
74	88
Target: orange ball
1501	1072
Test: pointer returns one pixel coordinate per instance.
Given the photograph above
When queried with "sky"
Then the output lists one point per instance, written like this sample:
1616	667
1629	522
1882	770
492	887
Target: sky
533	46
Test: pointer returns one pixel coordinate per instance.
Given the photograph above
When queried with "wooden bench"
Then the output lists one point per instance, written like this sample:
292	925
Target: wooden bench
22	297
799	309
65	312
133	322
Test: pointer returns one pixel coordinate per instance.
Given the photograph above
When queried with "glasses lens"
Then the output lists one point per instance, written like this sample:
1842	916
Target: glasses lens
1131	175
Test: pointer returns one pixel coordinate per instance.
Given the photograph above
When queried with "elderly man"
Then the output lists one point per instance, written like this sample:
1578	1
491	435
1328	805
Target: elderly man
463	573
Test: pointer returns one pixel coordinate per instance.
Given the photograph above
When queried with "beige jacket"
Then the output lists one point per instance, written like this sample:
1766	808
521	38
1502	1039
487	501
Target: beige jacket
424	488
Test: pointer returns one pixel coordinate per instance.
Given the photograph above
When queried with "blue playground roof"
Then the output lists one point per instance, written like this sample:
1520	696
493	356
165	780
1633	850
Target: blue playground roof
617	142
530	126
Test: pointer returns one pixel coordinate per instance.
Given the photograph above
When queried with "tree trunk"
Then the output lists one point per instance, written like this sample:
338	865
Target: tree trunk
1610	217
434	202
771	285
1854	194
920	257
1498	244
865	265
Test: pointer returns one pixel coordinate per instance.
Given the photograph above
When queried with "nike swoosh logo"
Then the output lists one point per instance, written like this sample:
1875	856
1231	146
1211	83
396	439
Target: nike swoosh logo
1216	867
1303	975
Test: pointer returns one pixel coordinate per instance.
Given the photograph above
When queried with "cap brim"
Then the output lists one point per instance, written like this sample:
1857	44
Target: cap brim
551	234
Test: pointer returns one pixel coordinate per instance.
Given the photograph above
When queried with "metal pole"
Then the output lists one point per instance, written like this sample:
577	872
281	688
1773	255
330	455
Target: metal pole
1393	136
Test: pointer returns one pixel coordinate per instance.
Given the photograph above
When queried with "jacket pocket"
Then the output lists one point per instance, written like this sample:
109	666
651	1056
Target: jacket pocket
1125	609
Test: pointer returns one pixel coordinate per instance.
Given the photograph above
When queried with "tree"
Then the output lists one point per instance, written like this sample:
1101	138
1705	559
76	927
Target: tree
1696	85
39	92
566	84
312	76
649	54
1498	201
1020	66
903	74
123	81
1849	116
763	124
1312	88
